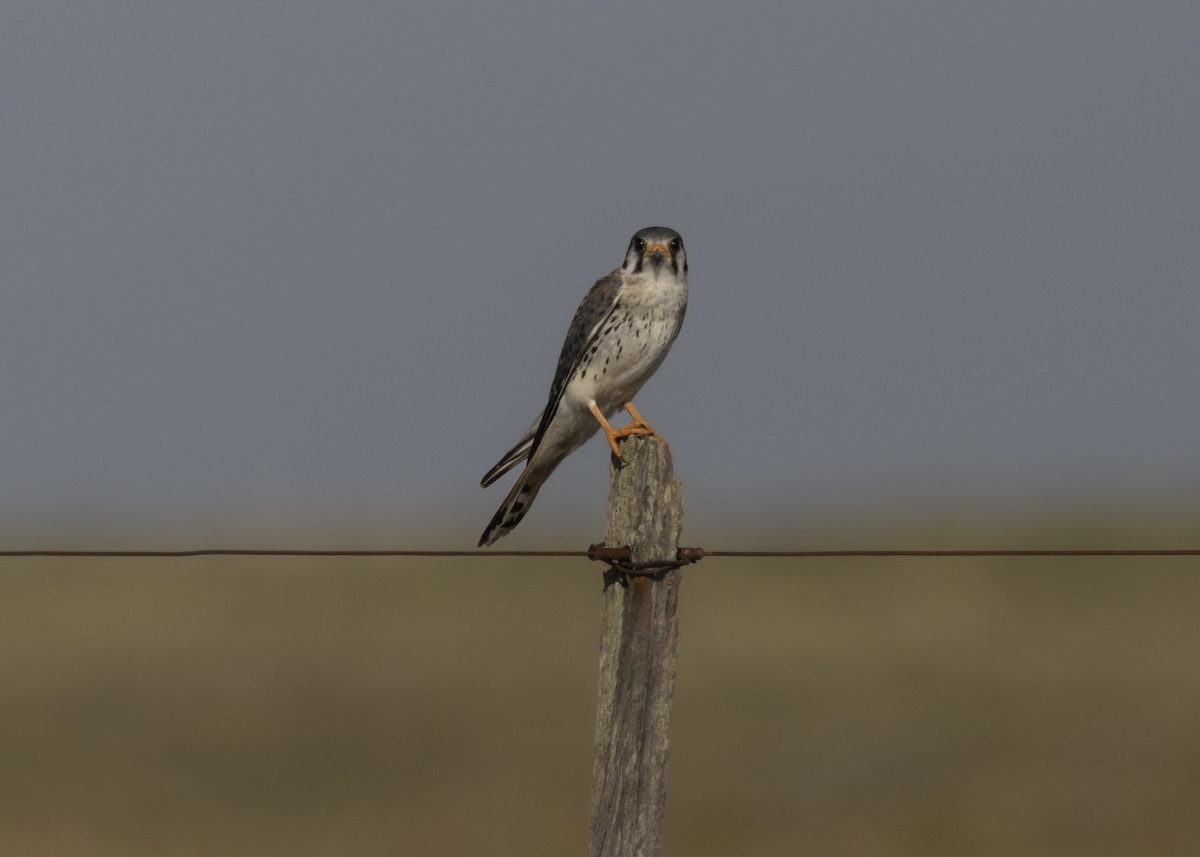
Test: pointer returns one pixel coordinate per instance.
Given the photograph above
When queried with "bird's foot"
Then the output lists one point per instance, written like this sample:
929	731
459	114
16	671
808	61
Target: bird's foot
638	428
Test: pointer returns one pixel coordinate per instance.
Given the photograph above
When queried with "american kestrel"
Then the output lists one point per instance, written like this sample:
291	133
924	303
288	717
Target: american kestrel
620	334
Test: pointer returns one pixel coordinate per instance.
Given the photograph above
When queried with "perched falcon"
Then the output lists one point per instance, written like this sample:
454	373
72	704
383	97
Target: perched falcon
619	336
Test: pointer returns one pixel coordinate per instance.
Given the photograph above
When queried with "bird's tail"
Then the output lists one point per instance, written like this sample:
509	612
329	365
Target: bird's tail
516	504
514	456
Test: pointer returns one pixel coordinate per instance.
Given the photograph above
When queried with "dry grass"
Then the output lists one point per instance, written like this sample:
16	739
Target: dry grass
314	707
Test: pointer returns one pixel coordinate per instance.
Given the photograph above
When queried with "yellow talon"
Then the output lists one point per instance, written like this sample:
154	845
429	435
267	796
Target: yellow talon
638	428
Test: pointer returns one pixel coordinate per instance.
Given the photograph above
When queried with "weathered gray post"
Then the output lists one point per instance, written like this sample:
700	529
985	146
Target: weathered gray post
638	637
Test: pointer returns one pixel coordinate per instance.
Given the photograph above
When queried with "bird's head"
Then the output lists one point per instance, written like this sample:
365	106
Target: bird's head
655	250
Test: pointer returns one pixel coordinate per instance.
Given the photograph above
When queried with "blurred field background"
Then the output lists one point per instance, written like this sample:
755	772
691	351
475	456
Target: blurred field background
293	275
445	707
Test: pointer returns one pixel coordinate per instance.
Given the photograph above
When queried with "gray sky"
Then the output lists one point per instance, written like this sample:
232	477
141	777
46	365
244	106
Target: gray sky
278	262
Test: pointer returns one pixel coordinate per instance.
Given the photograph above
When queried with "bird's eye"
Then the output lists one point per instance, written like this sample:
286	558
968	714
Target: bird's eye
675	245
639	244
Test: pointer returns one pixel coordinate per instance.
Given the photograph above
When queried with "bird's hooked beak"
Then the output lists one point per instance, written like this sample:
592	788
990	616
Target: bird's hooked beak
657	252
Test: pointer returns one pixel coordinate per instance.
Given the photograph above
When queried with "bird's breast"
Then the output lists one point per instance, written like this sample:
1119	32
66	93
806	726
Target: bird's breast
630	345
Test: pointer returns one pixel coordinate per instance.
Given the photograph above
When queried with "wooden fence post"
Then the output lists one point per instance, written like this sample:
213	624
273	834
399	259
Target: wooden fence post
638	637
